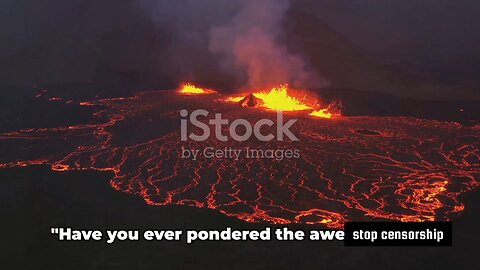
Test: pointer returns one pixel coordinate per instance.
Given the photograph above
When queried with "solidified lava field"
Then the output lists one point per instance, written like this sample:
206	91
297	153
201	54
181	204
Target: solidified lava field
349	168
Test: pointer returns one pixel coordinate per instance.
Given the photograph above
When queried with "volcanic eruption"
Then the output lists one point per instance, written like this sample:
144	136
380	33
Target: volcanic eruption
280	99
347	168
190	89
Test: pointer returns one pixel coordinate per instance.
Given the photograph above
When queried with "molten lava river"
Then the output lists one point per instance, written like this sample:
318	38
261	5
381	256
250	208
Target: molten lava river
349	168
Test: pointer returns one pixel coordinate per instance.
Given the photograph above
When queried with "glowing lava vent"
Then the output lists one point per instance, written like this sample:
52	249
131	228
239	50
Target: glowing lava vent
190	89
322	113
279	99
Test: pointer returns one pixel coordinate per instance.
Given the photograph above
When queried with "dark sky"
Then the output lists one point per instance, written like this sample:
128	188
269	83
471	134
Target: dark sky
440	28
42	37
445	26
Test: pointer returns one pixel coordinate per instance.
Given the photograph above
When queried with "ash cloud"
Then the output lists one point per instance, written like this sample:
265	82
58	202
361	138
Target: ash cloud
251	40
238	41
149	43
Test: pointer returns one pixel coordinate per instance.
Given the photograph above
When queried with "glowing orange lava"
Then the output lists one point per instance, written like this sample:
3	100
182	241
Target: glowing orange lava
322	113
235	99
361	168
190	89
279	99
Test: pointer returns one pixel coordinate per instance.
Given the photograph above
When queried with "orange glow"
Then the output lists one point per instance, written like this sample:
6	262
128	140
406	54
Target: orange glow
235	99
278	99
190	89
363	166
322	113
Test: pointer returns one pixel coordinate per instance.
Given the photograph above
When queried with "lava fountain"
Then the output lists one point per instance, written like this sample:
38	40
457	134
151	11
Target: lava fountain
280	99
190	89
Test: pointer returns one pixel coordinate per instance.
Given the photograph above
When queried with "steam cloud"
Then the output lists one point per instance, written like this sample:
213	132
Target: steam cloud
250	40
237	40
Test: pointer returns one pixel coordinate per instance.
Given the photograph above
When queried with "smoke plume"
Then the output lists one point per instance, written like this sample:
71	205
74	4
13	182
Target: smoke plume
251	40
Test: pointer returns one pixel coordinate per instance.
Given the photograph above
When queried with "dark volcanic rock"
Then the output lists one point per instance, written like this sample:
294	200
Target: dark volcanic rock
250	101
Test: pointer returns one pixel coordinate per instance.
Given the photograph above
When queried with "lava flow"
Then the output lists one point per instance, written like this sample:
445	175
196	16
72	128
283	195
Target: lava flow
279	99
190	89
323	113
348	168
